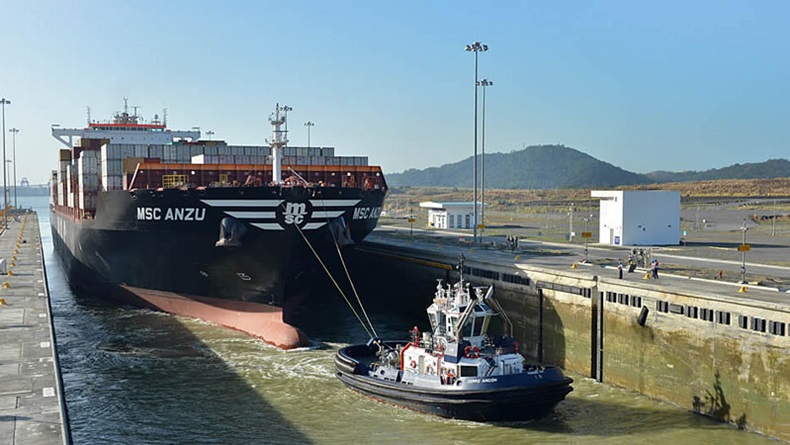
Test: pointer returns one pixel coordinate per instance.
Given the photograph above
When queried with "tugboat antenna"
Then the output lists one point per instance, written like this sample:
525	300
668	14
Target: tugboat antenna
460	267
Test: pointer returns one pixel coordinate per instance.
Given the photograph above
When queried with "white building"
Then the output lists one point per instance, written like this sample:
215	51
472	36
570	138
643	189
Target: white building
639	218
450	215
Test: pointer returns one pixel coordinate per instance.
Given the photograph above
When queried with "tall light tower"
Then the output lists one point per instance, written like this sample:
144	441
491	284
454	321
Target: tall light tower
13	132
5	102
475	47
209	133
483	83
308	124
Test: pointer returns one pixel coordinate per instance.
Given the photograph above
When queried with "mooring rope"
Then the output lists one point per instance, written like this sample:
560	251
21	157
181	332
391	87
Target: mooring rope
329	274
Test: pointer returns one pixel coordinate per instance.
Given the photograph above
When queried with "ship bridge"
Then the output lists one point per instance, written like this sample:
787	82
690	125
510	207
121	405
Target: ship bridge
124	134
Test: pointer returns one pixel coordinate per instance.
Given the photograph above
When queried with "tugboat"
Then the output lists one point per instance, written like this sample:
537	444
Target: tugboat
458	370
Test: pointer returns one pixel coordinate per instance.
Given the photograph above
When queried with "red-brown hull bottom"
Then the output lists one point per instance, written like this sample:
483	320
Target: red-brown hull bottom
259	320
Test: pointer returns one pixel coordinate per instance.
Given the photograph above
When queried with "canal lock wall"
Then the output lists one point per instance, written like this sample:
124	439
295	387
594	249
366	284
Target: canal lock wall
717	355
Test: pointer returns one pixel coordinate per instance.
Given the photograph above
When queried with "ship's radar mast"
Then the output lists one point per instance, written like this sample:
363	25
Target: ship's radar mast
279	140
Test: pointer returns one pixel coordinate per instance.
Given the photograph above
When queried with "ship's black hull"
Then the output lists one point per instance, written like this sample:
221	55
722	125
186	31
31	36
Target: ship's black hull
515	397
167	240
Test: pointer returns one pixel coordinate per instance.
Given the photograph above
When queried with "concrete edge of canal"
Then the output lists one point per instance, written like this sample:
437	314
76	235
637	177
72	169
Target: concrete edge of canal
32	401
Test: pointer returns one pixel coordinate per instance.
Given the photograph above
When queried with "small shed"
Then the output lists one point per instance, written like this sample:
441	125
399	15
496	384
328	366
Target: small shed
450	215
639	217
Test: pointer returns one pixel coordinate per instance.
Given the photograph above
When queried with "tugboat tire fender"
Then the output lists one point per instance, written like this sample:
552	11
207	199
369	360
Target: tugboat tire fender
471	352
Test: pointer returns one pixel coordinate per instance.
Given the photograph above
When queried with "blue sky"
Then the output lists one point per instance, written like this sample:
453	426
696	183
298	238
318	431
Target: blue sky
645	86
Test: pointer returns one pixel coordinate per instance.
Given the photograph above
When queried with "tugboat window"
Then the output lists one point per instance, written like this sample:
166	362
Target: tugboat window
467	331
479	325
468	371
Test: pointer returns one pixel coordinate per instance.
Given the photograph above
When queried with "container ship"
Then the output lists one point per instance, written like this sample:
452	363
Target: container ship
160	218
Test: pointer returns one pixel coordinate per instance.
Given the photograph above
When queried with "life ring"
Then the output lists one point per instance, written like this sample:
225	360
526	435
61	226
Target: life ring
472	352
413	364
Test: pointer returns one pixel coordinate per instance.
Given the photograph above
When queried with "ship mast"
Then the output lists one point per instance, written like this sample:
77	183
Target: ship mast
279	140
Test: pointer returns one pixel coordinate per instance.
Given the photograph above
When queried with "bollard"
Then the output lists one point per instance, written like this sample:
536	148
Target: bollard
647	276
6	285
2	302
742	289
574	266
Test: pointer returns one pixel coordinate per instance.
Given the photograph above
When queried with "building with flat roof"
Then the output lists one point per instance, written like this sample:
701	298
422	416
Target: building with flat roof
639	217
450	215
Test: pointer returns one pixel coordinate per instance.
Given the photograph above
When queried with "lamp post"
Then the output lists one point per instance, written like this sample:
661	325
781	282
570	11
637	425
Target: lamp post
13	132
586	235
210	133
475	47
308	124
5	102
570	224
483	83
743	250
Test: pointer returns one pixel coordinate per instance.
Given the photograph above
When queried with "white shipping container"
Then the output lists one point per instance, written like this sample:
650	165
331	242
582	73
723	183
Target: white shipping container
59	197
199	159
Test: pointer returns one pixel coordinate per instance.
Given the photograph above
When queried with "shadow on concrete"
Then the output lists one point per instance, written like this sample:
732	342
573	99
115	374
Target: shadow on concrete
732	245
13	418
714	404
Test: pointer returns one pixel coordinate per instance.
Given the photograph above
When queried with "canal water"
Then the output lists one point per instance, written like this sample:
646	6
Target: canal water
135	376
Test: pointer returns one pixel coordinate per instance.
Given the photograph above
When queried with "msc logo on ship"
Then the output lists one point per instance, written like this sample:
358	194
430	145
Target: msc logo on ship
291	213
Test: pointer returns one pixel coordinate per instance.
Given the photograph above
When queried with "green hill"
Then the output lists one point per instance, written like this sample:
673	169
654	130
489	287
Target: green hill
536	167
772	168
558	166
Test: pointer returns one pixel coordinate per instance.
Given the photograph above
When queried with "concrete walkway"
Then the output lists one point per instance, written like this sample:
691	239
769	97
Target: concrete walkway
32	406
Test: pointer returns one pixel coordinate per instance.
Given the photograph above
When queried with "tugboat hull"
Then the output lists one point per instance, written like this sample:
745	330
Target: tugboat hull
515	397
